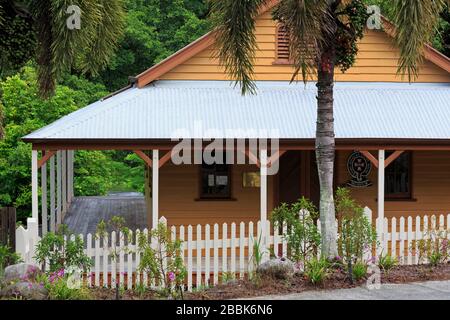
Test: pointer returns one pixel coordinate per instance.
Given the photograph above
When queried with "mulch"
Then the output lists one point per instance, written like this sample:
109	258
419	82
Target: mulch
247	289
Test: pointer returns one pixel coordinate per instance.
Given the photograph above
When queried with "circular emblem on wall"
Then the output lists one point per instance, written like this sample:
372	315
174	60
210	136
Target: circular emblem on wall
359	168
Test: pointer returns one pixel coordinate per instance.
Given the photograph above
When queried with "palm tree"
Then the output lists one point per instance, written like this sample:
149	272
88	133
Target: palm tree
323	35
59	48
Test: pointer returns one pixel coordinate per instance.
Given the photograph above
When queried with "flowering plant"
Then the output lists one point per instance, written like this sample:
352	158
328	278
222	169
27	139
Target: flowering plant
162	260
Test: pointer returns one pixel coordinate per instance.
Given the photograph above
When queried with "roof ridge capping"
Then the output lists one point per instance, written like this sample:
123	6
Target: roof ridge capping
202	43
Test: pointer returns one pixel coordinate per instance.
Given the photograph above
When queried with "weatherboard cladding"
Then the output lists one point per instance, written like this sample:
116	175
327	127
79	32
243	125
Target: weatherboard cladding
208	109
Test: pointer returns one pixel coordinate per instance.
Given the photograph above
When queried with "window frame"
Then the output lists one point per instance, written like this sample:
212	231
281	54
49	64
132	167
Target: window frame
204	196
400	196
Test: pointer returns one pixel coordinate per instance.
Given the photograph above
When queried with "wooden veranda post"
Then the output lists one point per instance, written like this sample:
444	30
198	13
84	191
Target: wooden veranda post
34	185
263	199
380	221
155	188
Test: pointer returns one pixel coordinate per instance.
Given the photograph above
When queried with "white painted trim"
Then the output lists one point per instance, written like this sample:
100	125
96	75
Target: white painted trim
34	186
44	199
70	160
263	200
64	182
52	194
380	224
58	189
155	188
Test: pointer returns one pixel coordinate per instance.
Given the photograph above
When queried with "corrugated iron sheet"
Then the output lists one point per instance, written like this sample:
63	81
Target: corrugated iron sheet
205	109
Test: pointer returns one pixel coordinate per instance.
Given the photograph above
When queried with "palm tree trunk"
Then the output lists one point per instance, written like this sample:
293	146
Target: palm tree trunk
325	152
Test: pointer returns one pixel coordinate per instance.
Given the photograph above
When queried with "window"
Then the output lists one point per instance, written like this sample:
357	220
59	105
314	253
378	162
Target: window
398	177
215	181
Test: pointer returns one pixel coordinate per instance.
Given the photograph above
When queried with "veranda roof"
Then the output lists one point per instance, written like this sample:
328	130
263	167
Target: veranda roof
208	109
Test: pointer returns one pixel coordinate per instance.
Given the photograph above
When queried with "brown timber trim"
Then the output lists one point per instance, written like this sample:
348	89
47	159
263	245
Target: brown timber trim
275	157
165	158
143	156
392	158
285	144
46	155
429	53
371	158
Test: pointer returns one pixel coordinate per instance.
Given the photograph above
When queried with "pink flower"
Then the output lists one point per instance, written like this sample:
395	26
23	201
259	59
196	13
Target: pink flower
171	276
61	273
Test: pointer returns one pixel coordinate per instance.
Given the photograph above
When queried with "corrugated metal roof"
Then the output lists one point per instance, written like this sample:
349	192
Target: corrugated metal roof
205	109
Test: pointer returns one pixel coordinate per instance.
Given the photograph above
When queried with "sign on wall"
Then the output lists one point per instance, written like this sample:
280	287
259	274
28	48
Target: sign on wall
359	168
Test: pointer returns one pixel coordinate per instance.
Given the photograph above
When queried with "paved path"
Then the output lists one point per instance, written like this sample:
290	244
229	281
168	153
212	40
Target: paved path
432	290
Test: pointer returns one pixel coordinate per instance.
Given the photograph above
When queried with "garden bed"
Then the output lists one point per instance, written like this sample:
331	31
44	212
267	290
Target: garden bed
248	289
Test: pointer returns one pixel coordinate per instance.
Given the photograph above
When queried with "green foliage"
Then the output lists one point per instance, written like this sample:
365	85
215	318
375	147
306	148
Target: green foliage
17	39
162	261
153	31
24	112
7	257
440	36
387	262
301	234
61	251
116	224
317	270
416	21
257	255
356	234
434	246
58	288
359	270
352	24
88	48
96	172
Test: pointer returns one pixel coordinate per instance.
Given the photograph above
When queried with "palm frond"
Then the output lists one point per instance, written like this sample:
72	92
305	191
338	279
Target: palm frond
62	47
106	38
309	24
68	42
234	22
416	21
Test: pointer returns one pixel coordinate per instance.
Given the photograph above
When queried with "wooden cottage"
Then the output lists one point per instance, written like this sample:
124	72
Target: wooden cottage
392	137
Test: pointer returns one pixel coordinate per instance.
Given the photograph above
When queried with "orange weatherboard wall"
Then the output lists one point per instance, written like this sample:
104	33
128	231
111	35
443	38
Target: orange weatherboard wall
376	61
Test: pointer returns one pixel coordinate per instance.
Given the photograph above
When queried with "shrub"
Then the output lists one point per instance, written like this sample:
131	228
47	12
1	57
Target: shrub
302	235
7	257
387	262
58	289
355	232
359	270
434	247
316	270
62	250
163	261
116	224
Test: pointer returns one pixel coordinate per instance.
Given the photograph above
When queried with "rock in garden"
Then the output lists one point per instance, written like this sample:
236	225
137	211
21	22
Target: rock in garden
279	268
21	272
25	290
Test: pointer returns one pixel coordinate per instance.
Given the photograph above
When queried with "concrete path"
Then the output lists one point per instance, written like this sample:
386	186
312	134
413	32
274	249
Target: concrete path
432	290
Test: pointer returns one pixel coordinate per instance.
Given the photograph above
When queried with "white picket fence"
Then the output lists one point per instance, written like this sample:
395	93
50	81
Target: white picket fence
216	253
212	254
